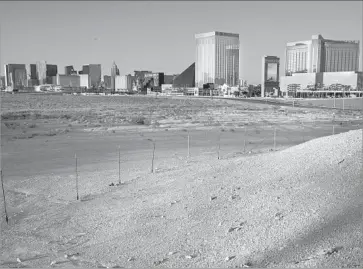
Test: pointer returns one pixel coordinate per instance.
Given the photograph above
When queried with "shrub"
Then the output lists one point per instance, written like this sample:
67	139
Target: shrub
138	120
12	125
66	116
148	122
52	132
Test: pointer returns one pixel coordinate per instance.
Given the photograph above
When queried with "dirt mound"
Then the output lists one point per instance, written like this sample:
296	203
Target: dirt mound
293	208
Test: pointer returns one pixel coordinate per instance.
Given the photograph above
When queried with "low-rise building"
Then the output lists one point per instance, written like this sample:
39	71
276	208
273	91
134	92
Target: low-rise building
123	83
327	83
84	80
2	81
67	80
107	81
156	79
166	89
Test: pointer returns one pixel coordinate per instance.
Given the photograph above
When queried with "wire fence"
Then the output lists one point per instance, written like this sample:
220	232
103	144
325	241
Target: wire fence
353	104
88	171
329	103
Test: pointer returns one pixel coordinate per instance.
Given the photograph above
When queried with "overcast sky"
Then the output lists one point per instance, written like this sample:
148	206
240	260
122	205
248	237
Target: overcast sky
159	36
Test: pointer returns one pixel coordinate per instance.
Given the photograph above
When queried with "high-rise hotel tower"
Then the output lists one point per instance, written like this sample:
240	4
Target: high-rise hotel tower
321	55
217	59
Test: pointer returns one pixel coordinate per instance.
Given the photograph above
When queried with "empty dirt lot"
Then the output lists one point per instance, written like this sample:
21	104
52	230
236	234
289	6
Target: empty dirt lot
179	215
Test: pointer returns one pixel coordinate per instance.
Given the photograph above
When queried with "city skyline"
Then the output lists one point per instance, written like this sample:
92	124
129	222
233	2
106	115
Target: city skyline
165	44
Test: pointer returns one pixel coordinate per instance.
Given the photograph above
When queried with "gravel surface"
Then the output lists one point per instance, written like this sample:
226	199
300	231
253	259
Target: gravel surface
299	207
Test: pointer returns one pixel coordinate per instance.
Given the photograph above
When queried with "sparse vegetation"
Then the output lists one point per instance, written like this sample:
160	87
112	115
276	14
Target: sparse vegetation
97	111
45	165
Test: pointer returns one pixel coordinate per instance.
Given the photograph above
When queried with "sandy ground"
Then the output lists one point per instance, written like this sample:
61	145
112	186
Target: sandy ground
351	103
298	206
347	103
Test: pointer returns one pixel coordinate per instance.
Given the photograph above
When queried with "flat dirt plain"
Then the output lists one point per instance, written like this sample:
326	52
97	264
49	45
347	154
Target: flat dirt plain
297	206
346	103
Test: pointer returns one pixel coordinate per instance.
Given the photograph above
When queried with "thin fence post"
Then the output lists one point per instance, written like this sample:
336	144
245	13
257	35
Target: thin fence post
333	129
303	132
274	138
75	156
244	140
152	161
219	145
2	186
119	164
188	145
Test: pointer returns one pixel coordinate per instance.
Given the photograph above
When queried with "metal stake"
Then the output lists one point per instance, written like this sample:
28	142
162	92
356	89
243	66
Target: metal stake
2	185
119	164
274	138
152	161
244	140
188	145
219	144
75	156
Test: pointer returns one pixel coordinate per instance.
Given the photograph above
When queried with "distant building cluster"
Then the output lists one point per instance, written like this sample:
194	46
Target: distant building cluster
317	65
323	66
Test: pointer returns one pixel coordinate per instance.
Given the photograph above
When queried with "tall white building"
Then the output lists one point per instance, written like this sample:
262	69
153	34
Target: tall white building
321	55
114	72
217	58
123	83
83	80
41	70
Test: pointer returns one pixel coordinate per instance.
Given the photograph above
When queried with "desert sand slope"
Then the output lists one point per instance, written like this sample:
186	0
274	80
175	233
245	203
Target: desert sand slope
300	207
